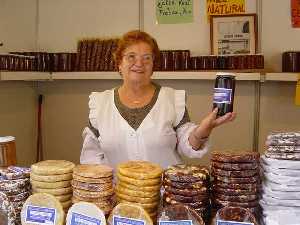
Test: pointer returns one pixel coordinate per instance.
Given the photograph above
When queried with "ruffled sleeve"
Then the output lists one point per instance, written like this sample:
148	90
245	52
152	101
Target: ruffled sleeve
184	147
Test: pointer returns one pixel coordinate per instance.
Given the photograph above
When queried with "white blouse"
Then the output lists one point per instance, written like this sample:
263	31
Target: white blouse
155	139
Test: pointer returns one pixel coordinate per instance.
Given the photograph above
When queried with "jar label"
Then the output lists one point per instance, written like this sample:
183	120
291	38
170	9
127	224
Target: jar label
222	95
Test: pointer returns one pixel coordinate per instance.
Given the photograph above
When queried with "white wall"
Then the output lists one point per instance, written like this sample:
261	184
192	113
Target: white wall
63	22
277	32
18	25
18	102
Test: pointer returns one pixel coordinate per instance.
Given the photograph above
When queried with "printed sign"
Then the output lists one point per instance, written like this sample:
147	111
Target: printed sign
224	7
222	222
175	222
40	215
222	95
79	219
174	11
117	220
295	13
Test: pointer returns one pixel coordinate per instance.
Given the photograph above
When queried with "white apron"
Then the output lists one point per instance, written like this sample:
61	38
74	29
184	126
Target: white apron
155	140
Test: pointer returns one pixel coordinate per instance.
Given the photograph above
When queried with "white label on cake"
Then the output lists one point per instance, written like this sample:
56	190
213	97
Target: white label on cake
40	215
117	220
175	222
79	219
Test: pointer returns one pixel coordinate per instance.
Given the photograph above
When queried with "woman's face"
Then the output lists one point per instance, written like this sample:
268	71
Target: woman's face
137	64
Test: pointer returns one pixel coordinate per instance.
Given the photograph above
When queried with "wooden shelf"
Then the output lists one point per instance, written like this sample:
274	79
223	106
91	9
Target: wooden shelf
25	76
168	75
282	76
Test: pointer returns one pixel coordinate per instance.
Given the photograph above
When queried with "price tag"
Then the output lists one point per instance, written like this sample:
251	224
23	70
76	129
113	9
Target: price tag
176	222
223	222
40	215
117	220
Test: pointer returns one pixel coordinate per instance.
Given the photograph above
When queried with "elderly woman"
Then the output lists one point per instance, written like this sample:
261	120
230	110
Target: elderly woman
140	120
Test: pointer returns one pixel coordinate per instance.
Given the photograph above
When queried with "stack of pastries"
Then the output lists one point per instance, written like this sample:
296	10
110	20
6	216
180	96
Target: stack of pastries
139	182
53	177
189	185
94	183
236	179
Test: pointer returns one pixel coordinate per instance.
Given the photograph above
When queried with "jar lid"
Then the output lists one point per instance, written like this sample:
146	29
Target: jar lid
225	74
6	139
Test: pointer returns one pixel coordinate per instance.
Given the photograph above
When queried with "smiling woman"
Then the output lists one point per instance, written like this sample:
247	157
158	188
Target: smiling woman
140	120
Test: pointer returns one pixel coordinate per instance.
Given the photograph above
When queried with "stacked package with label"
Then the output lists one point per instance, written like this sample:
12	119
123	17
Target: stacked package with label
179	214
94	184
139	182
189	185
42	208
14	190
234	215
53	177
236	180
281	187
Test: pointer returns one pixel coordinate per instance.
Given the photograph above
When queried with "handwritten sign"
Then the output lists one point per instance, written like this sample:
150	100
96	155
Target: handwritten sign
295	13
224	7
174	11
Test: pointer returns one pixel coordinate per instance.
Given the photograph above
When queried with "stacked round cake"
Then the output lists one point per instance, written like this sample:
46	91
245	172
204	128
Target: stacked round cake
139	182
281	187
94	184
129	213
42	208
236	179
53	177
14	190
189	185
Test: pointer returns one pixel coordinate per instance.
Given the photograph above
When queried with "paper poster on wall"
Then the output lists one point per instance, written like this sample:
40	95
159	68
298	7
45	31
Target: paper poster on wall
224	7
174	11
295	13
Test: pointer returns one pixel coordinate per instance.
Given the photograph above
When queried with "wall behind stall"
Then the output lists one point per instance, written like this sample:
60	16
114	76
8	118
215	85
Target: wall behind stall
18	25
193	36
277	33
278	111
17	117
18	99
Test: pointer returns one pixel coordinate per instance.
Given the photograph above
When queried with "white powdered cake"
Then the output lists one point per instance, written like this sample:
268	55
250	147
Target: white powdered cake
52	167
42	208
85	213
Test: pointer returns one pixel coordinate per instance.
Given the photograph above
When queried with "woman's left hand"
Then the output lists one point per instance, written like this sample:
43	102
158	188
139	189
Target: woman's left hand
211	121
